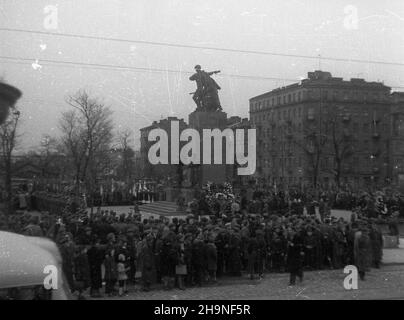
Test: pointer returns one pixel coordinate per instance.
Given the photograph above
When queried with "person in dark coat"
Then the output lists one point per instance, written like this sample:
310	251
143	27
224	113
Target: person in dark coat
188	258
84	236
233	263
295	256
211	252
131	252
158	243
278	247
261	253
111	272
168	261
81	271
198	260
376	241
340	247
95	260
252	252
361	250
67	251
310	250
147	263
221	246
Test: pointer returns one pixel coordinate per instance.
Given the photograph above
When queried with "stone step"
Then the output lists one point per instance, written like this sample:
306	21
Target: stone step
165	208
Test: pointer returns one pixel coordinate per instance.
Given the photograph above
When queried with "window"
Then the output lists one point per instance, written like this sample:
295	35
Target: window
310	114
299	96
335	95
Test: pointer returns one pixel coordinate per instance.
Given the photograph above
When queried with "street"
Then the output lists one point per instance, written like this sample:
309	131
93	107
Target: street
385	283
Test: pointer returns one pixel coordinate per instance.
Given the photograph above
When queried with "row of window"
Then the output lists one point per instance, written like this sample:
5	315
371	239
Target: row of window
295	163
355	128
286	114
325	181
326	95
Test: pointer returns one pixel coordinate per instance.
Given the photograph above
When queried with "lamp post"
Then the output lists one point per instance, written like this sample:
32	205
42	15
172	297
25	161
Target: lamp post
8	97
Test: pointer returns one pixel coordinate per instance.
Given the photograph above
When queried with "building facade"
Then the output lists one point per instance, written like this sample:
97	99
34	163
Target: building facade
159	171
397	139
325	130
191	175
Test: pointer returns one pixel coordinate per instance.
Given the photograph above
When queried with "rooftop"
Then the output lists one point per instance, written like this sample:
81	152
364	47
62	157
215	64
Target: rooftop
323	78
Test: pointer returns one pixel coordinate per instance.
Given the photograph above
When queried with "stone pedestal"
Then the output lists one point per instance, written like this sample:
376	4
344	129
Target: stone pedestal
195	176
200	120
208	120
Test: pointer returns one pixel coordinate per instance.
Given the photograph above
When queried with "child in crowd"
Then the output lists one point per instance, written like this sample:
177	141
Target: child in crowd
122	274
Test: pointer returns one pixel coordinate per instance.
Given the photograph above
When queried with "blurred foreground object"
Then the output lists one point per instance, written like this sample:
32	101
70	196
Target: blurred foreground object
8	97
25	263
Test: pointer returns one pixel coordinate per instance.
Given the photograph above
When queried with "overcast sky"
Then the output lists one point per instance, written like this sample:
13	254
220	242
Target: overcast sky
305	27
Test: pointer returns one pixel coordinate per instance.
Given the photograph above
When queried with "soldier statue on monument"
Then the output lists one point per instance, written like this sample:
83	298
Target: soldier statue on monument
206	95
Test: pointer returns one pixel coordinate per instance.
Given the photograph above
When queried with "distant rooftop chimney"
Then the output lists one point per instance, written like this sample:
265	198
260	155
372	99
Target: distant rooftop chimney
357	80
319	75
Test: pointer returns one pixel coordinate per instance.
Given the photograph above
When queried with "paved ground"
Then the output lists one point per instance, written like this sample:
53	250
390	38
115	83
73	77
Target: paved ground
394	256
385	283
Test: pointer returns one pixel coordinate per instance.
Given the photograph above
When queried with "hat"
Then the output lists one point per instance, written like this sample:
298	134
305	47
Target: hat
198	67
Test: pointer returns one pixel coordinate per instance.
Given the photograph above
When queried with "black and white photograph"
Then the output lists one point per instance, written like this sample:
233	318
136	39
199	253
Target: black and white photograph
218	152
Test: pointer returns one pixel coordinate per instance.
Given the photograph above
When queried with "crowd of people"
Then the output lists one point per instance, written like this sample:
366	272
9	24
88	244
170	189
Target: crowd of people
222	235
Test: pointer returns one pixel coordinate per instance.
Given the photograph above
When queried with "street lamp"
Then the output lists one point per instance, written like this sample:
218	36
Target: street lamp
8	97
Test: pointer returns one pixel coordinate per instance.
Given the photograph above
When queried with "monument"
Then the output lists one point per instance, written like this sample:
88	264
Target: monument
208	115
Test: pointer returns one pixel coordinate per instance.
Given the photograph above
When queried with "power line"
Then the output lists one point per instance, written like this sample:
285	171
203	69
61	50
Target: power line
130	68
56	63
175	45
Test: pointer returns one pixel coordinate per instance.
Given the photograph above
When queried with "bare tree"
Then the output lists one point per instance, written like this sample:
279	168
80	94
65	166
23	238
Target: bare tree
313	144
341	142
126	165
8	140
48	158
86	136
